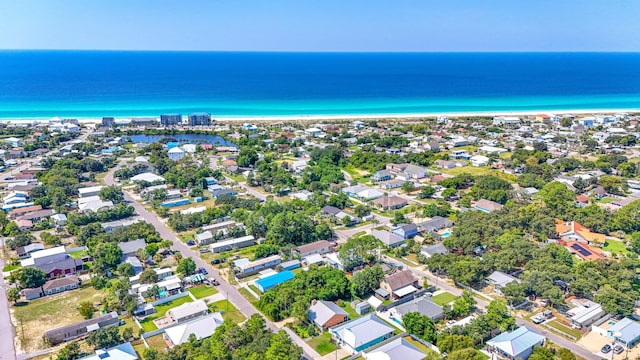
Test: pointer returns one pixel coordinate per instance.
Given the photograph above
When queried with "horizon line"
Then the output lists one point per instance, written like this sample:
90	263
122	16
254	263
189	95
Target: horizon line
335	52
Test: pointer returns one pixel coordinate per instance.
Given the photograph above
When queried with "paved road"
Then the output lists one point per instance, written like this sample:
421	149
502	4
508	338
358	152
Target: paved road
7	334
230	292
213	163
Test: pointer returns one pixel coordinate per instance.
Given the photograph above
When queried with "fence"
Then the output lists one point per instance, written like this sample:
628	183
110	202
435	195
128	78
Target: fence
406	299
359	355
170	298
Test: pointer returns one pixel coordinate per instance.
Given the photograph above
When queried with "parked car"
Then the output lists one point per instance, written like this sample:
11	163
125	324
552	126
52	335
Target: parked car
218	261
538	319
214	281
191	243
618	349
203	271
605	349
204	250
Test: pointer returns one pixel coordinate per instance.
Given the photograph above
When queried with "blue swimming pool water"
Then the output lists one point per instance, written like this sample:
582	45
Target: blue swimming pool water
446	234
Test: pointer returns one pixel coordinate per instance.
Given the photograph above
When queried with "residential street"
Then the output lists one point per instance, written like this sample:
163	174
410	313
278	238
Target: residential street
228	290
7	334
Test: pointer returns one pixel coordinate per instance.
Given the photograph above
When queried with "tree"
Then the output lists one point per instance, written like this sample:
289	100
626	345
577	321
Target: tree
151	249
420	325
126	269
408	187
32	277
615	302
362	210
13	294
427	192
612	184
106	256
398	218
566	354
366	280
111	193
21	239
627	218
70	352
452	342
566	122
466	354
558	199
86	309
186	266
462	306
105	338
449	193
282	348
540	353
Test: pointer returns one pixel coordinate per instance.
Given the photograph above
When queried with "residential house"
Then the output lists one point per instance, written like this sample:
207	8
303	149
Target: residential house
121	352
319	247
582	251
187	311
586	314
70	332
381	175
517	344
130	248
176	153
135	263
572	230
361	333
625	331
89	191
148	177
479	160
498	280
59	219
204	238
445	164
112	226
258	265
487	205
388	238
201	327
231	244
423	305
397	349
16	213
434	225
64	267
399	284
506	120
392	202
406	231
93	204
429	251
326	314
37	216
392	184
222	192
25	251
271	281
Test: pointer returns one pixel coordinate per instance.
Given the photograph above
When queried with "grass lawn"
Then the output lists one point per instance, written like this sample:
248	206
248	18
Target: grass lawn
79	254
228	311
615	247
139	349
161	310
349	310
444	298
38	316
237	177
203	291
322	344
247	295
157	342
557	325
605	200
255	289
479	170
417	344
8	268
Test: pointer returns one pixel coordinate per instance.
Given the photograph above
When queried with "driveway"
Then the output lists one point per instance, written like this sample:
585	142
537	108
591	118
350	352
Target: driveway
230	292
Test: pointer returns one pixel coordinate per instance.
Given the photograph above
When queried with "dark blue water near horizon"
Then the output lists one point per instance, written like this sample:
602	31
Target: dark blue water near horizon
43	84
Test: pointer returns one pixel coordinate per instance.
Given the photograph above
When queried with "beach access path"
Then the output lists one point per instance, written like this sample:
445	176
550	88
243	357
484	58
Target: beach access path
229	291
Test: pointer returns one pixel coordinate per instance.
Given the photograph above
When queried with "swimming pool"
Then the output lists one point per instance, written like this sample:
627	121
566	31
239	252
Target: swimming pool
446	234
396	321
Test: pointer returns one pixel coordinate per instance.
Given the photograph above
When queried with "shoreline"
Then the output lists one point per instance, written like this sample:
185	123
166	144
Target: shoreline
313	117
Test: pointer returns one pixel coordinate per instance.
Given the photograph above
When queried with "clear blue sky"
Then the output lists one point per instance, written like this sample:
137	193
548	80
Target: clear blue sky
322	25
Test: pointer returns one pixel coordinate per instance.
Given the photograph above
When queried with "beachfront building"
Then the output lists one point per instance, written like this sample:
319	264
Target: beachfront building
170	119
517	344
199	119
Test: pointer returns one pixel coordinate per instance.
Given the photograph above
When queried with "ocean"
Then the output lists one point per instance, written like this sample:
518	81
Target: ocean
92	84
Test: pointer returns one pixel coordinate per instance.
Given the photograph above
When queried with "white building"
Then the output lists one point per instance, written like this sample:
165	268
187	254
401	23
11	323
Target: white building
176	154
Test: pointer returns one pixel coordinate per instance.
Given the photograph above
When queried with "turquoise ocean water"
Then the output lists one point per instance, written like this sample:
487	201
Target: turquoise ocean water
43	84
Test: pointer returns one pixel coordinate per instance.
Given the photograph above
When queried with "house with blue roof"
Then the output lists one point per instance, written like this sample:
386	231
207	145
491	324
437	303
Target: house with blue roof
517	344
625	331
361	333
272	281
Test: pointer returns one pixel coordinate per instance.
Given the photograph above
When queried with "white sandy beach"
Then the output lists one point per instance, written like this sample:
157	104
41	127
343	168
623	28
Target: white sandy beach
314	118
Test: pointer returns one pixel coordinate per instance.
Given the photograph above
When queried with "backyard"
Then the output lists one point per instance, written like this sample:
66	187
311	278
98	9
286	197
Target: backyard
161	310
564	329
322	343
38	316
443	298
228	311
203	291
349	310
616	247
